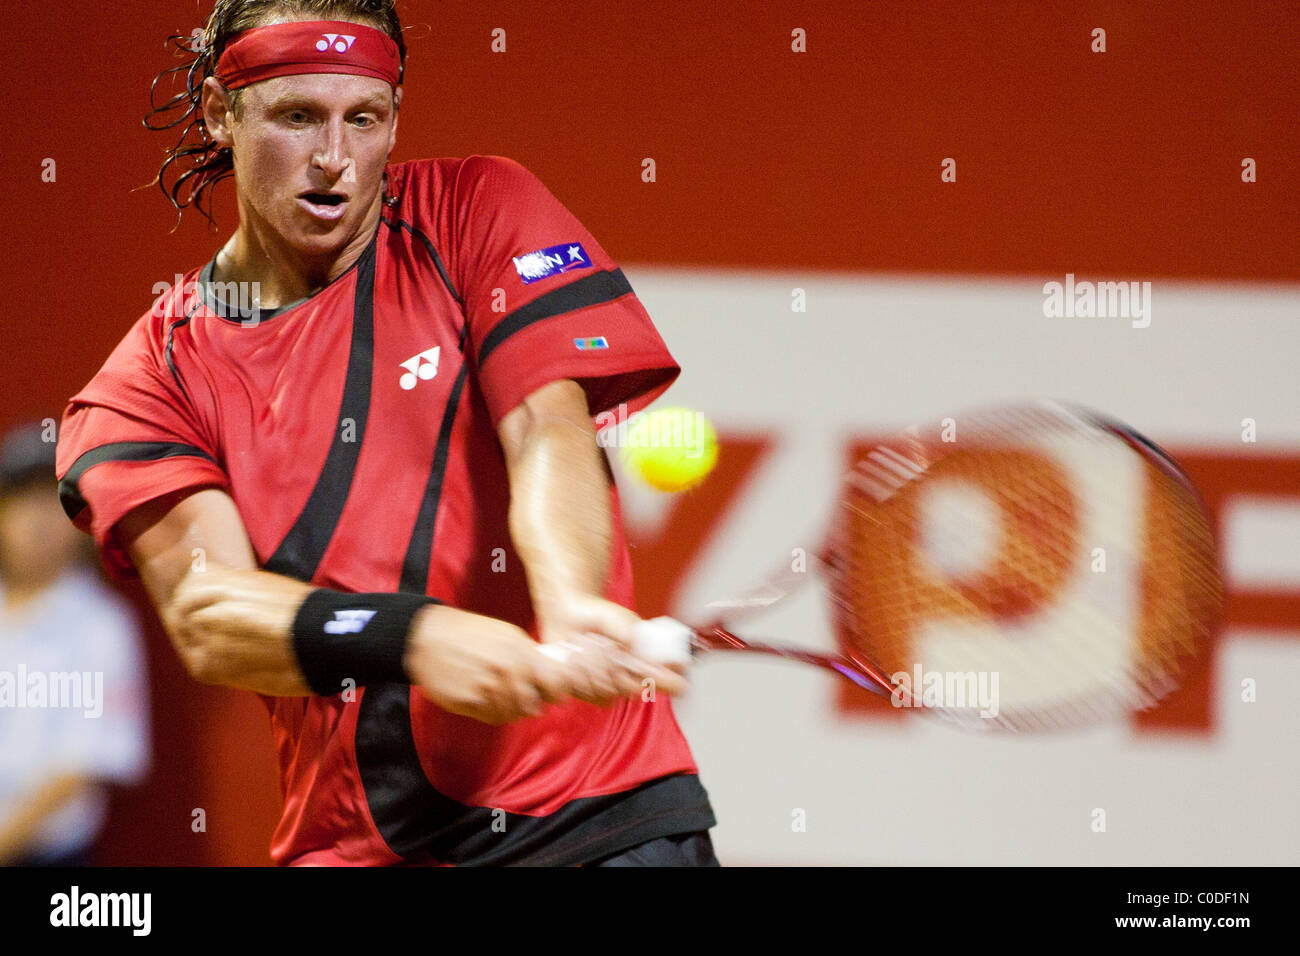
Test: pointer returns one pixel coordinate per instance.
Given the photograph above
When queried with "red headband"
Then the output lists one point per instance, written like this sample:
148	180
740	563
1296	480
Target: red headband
309	46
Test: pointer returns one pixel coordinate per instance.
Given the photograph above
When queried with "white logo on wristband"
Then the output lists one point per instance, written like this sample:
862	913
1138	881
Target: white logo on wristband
348	622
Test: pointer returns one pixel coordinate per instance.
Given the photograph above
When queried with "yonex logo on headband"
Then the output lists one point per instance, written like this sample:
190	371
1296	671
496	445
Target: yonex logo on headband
339	42
309	46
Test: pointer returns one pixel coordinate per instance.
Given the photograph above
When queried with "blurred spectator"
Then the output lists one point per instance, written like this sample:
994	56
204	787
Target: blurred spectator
73	704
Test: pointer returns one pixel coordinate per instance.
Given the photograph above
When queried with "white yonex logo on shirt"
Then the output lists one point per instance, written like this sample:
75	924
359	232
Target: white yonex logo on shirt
422	366
348	622
339	42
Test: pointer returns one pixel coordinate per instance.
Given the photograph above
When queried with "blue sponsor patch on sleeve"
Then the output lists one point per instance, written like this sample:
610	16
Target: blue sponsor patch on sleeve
587	345
551	261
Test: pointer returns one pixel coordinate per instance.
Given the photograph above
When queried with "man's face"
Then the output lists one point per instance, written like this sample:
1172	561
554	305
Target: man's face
309	155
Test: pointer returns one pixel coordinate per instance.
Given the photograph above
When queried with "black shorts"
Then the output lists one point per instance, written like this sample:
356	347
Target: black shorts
682	849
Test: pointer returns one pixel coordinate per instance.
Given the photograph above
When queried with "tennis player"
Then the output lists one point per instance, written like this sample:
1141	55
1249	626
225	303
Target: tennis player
353	460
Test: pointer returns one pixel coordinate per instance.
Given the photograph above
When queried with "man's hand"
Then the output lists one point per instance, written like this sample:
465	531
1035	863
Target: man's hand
481	667
492	671
600	637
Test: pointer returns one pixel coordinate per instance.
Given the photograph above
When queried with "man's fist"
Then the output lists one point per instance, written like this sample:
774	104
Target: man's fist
480	667
599	638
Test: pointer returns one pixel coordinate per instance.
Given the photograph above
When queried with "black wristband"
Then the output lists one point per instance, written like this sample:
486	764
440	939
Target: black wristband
358	637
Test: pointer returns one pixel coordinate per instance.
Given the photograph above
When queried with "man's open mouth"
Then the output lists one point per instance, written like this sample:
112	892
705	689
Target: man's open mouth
324	199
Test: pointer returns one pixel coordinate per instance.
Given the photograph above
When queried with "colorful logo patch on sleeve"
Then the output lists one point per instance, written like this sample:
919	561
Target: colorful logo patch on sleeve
551	261
587	345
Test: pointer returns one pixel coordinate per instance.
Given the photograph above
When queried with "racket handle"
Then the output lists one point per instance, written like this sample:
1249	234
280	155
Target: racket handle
660	640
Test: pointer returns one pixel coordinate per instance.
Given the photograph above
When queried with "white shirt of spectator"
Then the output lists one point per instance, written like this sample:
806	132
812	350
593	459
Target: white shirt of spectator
77	624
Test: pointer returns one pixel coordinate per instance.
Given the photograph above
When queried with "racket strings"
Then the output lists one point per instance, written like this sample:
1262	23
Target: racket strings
1070	642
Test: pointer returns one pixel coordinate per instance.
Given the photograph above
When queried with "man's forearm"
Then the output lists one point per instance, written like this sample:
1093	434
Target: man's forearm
235	628
560	517
259	631
229	622
562	521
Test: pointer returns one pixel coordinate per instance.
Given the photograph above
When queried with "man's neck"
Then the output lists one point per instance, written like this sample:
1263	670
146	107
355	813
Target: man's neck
255	254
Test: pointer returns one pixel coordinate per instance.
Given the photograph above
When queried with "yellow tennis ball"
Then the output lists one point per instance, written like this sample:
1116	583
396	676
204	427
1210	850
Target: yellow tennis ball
672	449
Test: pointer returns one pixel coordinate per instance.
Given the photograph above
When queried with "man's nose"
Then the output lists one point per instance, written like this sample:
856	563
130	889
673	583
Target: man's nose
331	152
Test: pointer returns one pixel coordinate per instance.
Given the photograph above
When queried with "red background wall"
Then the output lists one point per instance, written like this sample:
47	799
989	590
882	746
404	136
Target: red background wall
1125	163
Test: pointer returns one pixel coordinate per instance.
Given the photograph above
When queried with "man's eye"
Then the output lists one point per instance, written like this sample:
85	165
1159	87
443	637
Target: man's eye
364	121
297	116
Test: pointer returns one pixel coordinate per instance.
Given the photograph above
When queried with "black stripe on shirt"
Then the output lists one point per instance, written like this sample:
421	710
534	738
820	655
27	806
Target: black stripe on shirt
301	551
171	362
419	551
399	225
403	803
594	289
433	253
69	492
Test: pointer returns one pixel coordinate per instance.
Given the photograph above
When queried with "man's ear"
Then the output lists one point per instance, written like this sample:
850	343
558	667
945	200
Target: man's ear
216	112
397	105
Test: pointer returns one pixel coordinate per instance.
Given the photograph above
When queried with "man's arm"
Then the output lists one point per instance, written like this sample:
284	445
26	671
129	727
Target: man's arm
561	525
232	624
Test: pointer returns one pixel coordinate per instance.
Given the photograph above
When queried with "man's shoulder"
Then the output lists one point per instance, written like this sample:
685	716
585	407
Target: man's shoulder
175	300
421	183
146	338
449	168
146	349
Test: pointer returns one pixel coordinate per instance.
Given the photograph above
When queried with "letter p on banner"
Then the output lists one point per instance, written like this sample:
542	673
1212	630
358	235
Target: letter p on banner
977	558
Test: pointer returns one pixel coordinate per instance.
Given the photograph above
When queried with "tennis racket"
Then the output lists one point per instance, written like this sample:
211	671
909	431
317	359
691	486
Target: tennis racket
1040	551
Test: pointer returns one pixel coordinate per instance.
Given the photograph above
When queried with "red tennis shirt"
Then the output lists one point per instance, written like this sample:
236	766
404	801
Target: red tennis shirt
356	432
